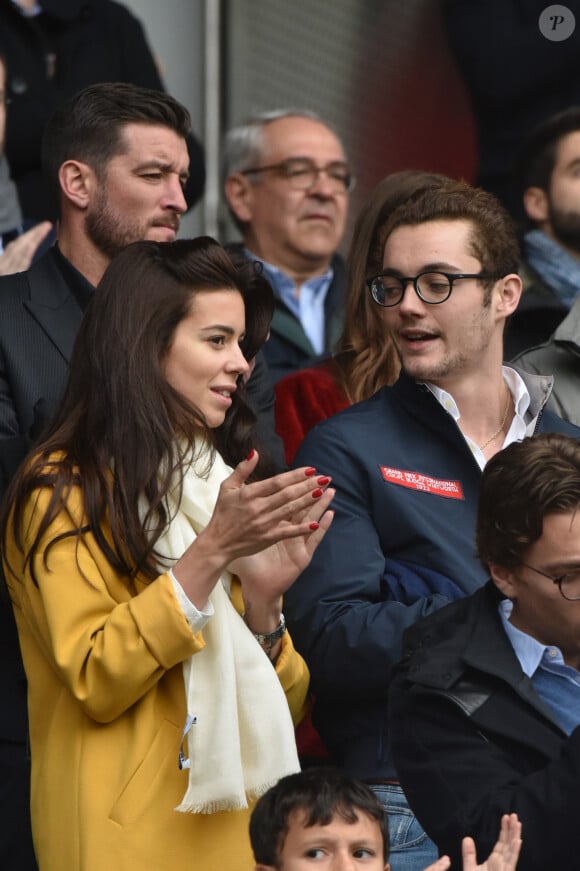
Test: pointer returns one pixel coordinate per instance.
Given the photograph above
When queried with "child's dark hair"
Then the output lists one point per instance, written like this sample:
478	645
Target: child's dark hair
321	794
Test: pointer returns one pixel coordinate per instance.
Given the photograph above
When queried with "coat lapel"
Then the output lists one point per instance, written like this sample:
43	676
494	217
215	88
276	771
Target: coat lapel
53	305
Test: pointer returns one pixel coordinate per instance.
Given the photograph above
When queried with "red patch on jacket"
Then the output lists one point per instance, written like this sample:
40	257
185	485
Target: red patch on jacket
425	483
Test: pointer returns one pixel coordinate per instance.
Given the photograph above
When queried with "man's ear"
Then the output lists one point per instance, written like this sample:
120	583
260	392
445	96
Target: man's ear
260	867
504	579
77	182
238	192
536	204
509	289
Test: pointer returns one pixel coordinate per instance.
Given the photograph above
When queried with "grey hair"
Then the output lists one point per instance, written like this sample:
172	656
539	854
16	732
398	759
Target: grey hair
244	146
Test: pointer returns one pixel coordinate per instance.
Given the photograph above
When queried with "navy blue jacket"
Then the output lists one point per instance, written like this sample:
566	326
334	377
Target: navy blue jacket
401	546
473	740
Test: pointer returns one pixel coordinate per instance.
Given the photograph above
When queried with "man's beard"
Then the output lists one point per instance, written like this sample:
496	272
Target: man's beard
565	227
110	232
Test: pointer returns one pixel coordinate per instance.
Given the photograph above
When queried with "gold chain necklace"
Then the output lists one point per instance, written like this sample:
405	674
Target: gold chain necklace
502	424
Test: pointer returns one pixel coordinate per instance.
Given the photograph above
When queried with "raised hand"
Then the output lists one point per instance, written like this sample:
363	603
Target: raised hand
503	857
250	517
266	532
18	254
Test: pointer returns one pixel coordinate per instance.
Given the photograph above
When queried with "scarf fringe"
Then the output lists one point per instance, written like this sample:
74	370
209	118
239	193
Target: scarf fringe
234	803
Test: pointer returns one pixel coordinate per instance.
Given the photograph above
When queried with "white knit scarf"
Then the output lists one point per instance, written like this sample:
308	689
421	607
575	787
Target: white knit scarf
242	740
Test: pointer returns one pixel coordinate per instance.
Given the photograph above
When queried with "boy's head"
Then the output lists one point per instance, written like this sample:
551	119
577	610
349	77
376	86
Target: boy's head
316	812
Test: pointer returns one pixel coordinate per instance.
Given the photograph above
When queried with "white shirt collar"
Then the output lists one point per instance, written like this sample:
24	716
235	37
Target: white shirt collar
521	400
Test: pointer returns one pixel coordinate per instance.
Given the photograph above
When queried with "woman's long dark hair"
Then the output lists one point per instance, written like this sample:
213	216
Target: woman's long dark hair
121	431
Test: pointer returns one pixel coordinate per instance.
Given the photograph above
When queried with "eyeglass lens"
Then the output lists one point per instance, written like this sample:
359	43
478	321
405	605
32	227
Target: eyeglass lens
302	174
432	287
570	585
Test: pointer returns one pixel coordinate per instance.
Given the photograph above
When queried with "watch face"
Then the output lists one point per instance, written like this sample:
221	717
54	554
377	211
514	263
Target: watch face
270	638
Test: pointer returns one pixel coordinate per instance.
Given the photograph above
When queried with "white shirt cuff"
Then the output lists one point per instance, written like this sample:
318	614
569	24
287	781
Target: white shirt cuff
196	618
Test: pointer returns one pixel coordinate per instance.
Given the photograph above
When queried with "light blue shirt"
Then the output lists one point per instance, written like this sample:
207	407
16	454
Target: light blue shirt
307	305
557	684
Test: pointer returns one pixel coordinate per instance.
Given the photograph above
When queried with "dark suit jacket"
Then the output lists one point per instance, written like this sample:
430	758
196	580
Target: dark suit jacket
39	318
472	739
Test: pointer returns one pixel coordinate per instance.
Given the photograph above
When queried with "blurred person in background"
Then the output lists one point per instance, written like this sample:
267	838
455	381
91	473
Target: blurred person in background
54	48
286	183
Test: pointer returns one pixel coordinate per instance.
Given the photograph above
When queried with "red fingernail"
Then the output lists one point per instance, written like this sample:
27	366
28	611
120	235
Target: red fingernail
251	454
309	472
316	494
324	480
314	526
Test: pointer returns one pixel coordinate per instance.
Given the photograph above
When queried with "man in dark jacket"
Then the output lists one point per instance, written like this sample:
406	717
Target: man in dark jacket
485	706
286	182
407	467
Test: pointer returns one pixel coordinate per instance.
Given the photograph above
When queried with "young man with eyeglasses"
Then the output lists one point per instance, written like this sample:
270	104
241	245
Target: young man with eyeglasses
407	467
287	184
485	706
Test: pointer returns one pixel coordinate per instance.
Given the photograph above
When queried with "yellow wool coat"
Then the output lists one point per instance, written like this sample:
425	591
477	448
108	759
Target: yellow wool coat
107	706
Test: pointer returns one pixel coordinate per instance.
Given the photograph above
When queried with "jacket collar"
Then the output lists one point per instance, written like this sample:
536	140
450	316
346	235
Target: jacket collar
539	388
53	304
442	650
568	333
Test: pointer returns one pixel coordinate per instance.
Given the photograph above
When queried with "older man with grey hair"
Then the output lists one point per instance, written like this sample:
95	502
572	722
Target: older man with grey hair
286	183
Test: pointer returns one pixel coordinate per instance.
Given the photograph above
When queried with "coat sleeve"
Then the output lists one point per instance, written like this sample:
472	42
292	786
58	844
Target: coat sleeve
459	782
109	644
340	611
294	677
14	444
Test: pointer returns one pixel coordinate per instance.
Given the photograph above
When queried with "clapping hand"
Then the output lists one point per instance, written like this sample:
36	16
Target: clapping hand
503	857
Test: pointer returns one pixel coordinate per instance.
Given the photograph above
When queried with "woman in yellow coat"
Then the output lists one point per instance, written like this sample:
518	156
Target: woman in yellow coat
147	577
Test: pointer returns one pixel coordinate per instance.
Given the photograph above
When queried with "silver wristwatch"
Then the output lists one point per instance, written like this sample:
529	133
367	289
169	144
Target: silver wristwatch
267	640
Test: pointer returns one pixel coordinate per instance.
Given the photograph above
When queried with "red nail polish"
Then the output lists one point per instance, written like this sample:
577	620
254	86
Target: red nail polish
310	472
316	494
314	526
323	480
251	454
